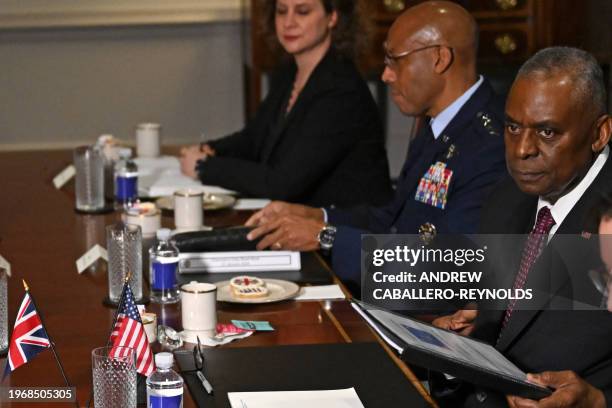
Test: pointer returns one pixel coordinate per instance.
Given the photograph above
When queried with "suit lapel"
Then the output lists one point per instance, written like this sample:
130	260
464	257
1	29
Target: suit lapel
556	264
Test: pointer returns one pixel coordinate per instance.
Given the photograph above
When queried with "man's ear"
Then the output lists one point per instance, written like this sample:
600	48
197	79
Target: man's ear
333	20
603	129
444	59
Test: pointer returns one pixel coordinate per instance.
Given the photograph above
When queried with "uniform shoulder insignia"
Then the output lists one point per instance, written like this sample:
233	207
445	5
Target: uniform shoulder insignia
486	122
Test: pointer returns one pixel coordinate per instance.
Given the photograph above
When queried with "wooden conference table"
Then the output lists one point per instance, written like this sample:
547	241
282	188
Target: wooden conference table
42	236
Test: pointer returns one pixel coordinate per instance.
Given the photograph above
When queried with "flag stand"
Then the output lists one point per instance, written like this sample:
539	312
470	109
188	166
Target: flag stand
51	343
126	281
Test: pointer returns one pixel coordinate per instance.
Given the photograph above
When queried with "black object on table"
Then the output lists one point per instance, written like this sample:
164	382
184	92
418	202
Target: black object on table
364	366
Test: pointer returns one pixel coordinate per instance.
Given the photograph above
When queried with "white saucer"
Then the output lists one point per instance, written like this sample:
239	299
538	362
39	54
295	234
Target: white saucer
191	336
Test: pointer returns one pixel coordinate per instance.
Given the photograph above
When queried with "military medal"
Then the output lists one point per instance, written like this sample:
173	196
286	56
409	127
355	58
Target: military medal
433	187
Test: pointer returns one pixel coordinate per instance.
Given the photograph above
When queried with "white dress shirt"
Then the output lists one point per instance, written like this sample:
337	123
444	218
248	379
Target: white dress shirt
560	209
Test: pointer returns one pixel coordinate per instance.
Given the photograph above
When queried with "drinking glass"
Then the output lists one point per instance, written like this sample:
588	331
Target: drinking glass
124	244
89	181
114	377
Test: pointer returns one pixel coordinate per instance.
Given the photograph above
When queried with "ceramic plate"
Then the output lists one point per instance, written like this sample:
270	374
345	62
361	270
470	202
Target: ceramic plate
211	202
278	290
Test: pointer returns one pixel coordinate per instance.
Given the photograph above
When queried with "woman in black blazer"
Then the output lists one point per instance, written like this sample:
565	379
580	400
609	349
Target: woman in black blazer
317	138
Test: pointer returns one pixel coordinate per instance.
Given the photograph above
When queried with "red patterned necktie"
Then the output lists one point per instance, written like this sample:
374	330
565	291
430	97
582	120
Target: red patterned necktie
536	241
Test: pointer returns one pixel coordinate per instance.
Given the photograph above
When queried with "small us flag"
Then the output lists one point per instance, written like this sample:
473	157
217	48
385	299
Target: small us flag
129	332
29	336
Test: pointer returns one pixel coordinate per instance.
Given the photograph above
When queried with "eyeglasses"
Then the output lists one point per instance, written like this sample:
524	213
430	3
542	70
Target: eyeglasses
391	60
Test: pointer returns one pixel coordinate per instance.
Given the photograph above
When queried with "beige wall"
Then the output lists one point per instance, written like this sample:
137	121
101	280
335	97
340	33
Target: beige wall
64	87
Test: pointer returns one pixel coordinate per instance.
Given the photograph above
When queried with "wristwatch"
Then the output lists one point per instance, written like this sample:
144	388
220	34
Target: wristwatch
326	237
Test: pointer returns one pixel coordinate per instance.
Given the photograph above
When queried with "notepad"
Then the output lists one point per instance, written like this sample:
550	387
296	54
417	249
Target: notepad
345	398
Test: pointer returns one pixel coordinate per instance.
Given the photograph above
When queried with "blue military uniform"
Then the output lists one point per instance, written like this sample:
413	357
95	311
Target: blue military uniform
443	183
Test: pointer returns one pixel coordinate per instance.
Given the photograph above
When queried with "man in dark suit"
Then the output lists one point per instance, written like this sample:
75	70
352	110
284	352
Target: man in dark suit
451	165
557	134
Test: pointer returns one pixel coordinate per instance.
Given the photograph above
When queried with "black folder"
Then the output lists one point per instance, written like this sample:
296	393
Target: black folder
433	348
364	366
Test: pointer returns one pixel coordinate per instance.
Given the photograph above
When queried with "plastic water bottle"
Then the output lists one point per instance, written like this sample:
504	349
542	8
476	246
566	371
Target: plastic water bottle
164	259
126	180
164	385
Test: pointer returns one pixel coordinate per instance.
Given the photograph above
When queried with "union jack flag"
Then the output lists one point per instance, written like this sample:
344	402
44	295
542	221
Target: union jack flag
29	336
129	332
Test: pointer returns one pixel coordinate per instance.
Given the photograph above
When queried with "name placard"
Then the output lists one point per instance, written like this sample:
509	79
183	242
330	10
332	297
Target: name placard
64	176
96	252
4	264
239	261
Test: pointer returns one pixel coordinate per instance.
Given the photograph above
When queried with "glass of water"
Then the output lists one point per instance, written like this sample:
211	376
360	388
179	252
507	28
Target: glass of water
89	181
124	244
114	377
3	311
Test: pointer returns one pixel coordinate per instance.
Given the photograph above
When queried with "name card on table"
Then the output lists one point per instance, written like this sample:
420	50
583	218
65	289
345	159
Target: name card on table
64	176
96	252
239	261
4	264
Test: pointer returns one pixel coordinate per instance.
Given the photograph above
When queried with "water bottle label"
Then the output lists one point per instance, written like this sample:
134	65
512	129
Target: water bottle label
165	402
164	275
126	188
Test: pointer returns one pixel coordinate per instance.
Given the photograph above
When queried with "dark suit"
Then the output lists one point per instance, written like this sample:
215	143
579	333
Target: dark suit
471	146
329	150
543	339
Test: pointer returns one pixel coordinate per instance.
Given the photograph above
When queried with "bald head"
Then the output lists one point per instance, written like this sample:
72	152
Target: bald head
436	22
430	57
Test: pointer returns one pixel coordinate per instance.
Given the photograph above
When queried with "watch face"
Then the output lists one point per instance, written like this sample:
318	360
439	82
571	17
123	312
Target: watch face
326	237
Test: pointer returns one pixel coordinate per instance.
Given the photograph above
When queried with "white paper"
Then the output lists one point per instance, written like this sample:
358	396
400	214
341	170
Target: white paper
90	257
161	176
374	325
346	398
251	203
4	264
64	176
323	292
239	261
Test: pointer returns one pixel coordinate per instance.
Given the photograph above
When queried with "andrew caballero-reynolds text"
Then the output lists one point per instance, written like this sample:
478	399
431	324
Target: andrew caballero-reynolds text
422	283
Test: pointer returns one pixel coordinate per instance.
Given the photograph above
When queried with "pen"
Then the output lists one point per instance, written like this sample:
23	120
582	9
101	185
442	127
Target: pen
205	383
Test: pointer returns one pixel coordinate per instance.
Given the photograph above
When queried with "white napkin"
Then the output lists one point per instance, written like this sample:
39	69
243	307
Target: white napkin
323	292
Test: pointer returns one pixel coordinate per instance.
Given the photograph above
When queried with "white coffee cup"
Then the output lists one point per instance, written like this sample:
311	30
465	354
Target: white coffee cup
188	210
148	139
147	216
199	308
149	321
